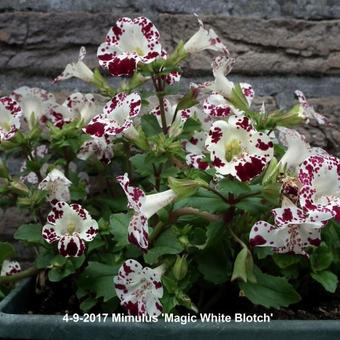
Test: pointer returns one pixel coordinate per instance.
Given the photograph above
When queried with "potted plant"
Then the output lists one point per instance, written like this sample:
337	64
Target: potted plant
195	209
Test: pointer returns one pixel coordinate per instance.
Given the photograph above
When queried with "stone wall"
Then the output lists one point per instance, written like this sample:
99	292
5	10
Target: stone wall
280	46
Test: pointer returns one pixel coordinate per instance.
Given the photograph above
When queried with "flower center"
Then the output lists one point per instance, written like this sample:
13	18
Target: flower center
139	51
71	227
5	126
232	148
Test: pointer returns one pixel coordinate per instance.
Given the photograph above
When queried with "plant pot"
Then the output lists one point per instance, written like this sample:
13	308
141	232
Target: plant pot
14	325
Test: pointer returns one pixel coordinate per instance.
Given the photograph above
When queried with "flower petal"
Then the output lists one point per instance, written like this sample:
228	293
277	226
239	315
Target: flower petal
10	114
138	231
9	268
71	246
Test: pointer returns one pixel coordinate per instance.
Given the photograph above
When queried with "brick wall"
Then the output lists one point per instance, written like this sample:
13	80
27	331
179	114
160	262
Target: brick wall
280	46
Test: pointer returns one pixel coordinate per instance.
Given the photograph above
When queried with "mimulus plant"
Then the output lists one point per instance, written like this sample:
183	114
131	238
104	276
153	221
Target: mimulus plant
149	197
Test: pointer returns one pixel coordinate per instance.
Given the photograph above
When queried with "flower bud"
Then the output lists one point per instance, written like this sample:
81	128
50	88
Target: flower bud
185	187
19	187
180	268
272	172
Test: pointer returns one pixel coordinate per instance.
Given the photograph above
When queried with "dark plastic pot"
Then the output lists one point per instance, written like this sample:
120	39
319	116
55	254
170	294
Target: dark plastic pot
14	325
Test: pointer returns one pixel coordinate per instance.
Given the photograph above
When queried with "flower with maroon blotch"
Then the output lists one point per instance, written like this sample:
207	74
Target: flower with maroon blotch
36	104
205	39
98	147
129	42
31	177
84	106
297	148
77	69
320	178
307	111
139	289
56	185
117	117
237	149
218	104
10	114
294	230
9	268
144	207
70	226
195	148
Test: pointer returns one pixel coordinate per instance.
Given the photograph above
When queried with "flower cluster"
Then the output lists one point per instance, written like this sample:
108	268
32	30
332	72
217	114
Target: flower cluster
155	196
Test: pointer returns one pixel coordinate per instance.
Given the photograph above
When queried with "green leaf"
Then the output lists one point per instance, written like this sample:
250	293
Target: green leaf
119	224
321	258
227	186
63	270
98	279
327	279
214	264
150	125
87	304
141	165
187	101
190	127
270	291
286	260
6	251
238	99
166	244
30	233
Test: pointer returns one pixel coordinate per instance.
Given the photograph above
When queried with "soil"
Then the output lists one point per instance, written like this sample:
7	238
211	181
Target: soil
59	298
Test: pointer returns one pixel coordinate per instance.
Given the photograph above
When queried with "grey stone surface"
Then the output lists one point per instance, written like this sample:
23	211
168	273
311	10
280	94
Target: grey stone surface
307	9
43	43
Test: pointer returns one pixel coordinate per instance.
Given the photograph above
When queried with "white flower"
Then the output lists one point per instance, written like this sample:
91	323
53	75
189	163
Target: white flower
294	230
10	114
98	147
129	42
57	186
144	206
297	148
237	149
307	111
31	177
84	106
117	117
205	39
320	178
78	69
69	225
36	103
9	268
139	289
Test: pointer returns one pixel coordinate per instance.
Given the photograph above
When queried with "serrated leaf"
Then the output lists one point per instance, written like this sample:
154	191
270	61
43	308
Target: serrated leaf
227	186
327	279
30	233
270	291
166	244
321	258
119	224
150	125
98	278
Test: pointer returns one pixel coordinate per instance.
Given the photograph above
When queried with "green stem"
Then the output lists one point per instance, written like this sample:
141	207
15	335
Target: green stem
19	276
217	193
193	211
159	87
156	231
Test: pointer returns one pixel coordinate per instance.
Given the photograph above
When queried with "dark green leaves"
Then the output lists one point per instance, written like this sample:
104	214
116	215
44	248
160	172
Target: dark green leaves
321	258
6	251
150	125
97	278
226	186
327	279
166	244
30	233
270	291
119	228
